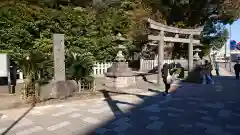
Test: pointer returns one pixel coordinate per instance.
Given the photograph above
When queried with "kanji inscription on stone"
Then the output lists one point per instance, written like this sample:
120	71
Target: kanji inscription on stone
59	57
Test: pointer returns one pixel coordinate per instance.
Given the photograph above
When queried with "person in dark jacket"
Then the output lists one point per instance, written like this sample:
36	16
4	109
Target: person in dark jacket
165	71
217	68
237	70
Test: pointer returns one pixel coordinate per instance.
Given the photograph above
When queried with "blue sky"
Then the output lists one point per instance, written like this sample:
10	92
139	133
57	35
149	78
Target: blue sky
235	33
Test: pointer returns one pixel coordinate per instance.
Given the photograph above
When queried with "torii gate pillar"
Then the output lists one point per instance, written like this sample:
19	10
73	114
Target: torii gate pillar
160	56
190	54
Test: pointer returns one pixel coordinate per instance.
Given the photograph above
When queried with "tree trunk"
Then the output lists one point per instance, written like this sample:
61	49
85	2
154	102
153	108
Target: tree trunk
24	90
94	85
28	93
37	91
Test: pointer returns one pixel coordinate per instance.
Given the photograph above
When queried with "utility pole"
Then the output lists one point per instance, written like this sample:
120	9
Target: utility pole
230	57
225	55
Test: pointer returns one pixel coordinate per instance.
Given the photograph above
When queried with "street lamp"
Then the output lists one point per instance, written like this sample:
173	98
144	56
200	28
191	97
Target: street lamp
230	57
28	66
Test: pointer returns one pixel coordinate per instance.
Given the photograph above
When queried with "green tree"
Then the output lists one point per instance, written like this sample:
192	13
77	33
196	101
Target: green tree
194	13
26	28
218	42
215	43
26	34
79	67
177	13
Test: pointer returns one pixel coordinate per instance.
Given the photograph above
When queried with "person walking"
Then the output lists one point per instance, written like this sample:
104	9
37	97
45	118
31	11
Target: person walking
217	68
237	70
206	72
165	76
210	68
175	81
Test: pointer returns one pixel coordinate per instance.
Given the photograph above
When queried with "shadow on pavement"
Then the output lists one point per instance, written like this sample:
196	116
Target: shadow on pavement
19	119
156	91
145	79
123	93
111	103
220	78
194	109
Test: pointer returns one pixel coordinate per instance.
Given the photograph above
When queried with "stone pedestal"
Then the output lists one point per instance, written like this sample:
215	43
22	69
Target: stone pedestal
120	82
195	75
63	89
120	76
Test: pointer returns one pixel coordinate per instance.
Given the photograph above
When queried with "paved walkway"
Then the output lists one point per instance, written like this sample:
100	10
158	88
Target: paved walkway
194	109
227	66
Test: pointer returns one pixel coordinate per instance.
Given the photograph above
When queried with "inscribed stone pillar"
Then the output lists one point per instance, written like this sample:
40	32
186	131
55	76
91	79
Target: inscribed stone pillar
190	54
21	75
160	56
59	57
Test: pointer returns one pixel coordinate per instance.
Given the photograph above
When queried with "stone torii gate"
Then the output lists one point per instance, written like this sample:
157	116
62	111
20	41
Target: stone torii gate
176	31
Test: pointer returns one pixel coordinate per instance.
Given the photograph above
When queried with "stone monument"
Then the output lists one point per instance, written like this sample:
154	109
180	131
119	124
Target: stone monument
61	88
119	75
59	57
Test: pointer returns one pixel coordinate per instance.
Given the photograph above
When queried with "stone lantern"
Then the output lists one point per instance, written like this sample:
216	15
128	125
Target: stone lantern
196	55
196	58
119	75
